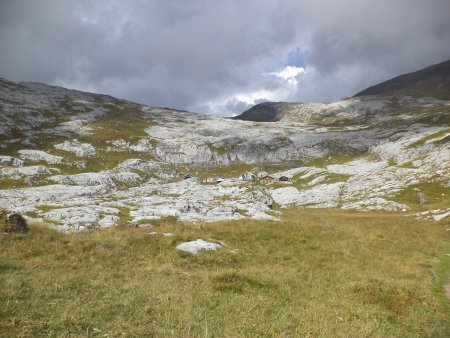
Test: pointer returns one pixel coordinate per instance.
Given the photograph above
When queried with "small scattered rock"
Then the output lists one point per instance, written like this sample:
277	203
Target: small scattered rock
197	245
422	198
145	225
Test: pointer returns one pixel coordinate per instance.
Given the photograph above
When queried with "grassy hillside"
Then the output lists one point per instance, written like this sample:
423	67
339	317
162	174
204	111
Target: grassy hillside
433	81
324	273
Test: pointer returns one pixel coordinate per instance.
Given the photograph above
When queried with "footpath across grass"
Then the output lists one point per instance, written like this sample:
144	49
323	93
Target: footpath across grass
315	273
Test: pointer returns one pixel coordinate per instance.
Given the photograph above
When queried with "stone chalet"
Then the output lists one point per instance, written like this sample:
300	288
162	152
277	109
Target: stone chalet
266	180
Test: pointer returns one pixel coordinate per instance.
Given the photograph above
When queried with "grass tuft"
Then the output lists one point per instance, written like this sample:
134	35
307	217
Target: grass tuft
237	282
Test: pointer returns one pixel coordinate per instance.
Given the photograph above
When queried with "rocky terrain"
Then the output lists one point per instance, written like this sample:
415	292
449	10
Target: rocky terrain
78	160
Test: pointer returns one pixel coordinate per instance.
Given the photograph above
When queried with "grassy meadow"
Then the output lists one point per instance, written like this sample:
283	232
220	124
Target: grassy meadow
315	273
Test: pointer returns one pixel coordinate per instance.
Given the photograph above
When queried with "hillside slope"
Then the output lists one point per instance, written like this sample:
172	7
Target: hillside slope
433	81
80	160
264	112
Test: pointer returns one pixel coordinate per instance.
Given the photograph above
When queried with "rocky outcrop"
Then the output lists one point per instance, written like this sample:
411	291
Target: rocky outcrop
77	148
39	156
26	172
320	196
10	161
107	179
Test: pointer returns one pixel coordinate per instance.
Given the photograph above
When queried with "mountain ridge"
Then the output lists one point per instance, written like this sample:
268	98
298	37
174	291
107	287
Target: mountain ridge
79	161
432	81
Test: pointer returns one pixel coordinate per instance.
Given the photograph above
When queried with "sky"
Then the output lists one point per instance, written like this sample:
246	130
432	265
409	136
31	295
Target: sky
220	57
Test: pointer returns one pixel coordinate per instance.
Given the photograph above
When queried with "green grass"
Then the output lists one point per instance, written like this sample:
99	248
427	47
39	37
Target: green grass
334	178
230	171
219	150
302	183
324	161
437	196
316	273
436	135
125	121
438	115
12	184
4	225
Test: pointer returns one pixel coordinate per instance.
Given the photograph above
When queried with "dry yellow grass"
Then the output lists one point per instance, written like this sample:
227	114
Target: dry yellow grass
316	273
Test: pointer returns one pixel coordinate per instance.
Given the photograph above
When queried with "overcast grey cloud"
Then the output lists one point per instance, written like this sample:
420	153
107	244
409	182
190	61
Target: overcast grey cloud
220	57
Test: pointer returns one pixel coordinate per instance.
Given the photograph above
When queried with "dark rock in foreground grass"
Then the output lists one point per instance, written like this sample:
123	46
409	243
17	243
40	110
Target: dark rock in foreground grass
13	222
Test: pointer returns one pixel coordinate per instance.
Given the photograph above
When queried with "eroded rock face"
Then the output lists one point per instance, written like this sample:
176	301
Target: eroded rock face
193	141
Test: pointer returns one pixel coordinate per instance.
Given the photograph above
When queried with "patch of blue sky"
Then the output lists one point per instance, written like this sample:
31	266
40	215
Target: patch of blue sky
296	58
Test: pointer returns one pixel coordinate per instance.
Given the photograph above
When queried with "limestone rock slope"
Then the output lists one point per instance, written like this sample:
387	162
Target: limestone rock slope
80	160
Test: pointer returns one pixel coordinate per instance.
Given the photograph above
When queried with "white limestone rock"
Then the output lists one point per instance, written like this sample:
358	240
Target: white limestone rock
195	246
144	145
10	161
317	180
28	171
108	221
50	195
357	167
139	164
156	168
435	215
189	200
77	148
401	149
108	179
440	217
320	196
39	155
80	218
376	204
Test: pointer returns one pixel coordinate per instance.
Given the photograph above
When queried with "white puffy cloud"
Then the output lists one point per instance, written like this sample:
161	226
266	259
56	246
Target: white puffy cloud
280	85
289	73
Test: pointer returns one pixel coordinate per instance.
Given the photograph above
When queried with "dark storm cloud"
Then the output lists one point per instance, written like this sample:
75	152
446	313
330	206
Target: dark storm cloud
362	43
219	57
